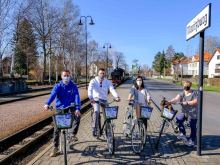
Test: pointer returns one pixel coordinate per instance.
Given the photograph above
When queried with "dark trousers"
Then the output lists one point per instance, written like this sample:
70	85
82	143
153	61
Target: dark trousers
74	129
180	119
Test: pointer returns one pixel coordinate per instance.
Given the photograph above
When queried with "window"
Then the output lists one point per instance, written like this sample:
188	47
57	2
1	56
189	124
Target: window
218	57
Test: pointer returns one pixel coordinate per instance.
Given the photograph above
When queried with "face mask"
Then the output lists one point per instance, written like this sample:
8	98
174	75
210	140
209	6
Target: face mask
139	83
186	88
66	80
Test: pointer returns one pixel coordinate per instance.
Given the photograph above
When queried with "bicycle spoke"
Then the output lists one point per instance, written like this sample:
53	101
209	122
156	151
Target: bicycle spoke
137	137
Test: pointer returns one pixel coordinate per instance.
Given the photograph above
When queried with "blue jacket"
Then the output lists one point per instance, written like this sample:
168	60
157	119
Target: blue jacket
65	95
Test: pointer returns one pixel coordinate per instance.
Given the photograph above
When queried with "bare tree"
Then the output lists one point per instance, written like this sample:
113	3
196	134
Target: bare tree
211	43
44	19
119	59
170	52
6	7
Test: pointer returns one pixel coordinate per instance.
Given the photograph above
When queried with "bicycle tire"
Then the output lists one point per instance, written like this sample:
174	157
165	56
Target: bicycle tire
110	137
99	133
138	137
127	124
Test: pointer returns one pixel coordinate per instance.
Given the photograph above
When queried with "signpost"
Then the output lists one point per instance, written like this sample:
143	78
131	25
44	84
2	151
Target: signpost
198	25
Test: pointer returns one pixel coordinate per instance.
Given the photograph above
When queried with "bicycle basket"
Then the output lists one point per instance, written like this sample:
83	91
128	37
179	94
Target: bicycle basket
111	112
168	113
63	121
146	112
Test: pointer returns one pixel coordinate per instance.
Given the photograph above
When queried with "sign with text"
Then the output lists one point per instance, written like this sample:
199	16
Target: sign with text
199	23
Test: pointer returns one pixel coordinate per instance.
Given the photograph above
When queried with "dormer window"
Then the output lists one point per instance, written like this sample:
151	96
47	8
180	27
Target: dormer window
218	57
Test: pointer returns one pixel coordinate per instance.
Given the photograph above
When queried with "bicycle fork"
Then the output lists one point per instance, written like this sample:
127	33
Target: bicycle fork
161	131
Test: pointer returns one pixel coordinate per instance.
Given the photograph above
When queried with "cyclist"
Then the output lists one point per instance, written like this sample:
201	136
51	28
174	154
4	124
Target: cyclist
65	92
140	95
188	98
98	91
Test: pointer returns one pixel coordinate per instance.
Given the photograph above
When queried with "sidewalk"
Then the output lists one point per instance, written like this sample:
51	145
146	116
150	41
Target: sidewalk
89	150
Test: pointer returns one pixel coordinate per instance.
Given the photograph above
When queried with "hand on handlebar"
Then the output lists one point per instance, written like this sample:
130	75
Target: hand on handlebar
92	101
117	99
46	107
77	113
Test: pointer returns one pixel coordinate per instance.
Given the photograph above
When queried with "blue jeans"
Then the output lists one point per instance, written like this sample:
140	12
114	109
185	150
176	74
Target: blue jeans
180	119
96	113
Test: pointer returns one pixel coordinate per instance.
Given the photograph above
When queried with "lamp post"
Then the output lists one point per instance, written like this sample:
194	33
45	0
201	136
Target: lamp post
181	67
107	46
91	23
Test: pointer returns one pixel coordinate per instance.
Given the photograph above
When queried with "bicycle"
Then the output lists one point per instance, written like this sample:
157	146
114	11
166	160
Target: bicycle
109	113
168	114
135	127
63	120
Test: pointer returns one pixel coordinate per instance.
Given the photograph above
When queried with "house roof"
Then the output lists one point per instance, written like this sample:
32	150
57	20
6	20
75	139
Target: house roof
183	60
216	50
207	57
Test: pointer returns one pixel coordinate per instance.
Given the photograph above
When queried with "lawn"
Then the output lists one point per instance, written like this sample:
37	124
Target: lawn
195	86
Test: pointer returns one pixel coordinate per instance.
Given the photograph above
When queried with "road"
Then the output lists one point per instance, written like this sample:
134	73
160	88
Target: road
211	103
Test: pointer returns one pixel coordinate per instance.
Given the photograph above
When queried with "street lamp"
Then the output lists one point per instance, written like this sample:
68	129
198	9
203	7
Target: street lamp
91	23
181	67
107	46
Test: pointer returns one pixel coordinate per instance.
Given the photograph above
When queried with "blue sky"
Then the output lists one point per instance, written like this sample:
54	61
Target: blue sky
141	28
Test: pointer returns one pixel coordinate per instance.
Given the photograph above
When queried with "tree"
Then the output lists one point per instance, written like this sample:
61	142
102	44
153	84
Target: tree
211	43
44	20
119	59
25	50
6	6
159	63
170	52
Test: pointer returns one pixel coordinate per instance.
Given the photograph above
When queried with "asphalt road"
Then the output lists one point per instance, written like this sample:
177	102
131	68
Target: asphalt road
211	103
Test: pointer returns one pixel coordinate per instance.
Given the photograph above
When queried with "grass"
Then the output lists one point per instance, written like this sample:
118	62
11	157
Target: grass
205	87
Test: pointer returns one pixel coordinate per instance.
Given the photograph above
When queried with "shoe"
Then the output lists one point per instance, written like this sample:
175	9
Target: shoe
55	152
189	143
182	137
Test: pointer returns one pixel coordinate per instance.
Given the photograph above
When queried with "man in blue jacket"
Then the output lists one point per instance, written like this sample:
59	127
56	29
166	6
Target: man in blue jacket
65	92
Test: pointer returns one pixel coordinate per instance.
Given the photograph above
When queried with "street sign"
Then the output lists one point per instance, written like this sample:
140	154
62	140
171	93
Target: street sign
199	23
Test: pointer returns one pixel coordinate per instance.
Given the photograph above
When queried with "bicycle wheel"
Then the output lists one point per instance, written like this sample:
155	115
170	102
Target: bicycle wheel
99	133
127	124
110	137
138	137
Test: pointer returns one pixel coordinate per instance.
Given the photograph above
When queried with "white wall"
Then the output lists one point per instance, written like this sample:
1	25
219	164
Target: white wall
212	65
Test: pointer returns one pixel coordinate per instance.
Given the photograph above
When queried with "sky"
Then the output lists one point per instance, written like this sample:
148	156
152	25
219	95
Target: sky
141	28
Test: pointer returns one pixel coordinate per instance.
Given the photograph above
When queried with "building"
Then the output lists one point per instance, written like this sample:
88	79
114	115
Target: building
193	65
180	66
214	64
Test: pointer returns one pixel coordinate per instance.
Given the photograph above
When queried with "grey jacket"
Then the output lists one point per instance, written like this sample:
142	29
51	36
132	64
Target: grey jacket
190	110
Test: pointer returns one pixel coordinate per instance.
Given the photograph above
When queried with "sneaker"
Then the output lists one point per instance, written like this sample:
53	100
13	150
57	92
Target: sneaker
55	152
94	134
182	137
189	143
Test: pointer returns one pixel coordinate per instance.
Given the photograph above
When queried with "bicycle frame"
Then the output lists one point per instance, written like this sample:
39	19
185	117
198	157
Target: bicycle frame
106	125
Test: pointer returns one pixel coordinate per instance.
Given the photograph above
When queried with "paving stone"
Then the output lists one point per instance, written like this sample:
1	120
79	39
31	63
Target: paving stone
89	150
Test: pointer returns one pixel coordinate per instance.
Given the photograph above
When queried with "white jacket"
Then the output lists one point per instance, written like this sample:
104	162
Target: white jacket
100	91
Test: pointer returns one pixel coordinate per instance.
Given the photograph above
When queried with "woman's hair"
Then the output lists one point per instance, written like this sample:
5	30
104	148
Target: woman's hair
135	83
188	83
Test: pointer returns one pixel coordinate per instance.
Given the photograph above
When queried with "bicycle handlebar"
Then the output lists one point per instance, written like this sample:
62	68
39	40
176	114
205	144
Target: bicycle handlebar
72	105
